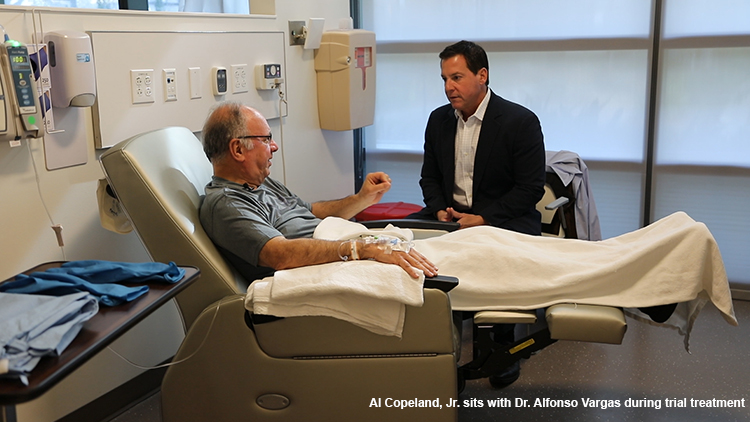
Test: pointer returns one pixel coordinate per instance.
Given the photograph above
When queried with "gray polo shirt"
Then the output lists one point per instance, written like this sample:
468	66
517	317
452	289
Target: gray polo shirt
240	220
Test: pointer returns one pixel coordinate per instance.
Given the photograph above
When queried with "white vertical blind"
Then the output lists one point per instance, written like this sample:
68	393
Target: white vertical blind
706	17
702	162
423	20
590	102
704	113
408	89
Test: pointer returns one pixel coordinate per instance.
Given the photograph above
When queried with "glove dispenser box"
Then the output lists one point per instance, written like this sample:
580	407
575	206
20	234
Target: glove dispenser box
345	70
71	69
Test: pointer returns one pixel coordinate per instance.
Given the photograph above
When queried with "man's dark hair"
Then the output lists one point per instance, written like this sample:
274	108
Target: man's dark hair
475	56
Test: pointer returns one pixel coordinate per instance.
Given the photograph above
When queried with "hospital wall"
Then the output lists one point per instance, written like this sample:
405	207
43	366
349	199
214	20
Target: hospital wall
318	165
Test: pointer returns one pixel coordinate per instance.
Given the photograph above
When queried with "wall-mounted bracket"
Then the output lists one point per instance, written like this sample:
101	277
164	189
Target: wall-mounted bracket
297	32
307	33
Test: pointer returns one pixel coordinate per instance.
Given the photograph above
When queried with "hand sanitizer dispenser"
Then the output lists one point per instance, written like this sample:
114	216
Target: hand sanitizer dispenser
71	69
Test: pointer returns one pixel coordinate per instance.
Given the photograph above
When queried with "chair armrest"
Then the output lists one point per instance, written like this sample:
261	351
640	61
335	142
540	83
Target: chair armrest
444	283
557	203
447	226
427	329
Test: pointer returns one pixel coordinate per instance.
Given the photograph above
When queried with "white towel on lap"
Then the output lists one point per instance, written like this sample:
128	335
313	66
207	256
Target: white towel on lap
383	317
369	294
318	281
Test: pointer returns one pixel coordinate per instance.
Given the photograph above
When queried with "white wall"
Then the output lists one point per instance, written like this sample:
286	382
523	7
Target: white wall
318	166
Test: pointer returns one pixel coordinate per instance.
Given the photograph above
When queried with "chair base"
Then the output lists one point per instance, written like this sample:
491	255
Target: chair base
590	323
226	372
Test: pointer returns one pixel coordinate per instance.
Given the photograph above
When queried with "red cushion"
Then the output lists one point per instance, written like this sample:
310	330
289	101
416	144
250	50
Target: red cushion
387	211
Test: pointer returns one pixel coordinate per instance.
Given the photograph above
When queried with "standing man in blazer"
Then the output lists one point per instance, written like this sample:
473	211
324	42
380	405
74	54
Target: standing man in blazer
484	162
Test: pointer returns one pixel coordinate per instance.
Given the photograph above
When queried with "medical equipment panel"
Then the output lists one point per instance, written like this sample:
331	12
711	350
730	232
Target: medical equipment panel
268	76
21	113
219	80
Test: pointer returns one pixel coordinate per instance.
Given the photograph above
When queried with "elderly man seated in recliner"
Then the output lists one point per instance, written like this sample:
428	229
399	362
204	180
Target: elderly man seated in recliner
257	223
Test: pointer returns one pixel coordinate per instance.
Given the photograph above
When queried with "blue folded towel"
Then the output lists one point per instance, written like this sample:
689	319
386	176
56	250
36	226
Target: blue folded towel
99	278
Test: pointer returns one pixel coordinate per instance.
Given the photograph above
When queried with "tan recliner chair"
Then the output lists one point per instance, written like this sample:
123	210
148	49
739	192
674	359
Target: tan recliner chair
231	367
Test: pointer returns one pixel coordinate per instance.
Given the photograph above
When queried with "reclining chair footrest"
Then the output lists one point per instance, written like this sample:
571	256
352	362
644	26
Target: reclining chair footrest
592	323
505	317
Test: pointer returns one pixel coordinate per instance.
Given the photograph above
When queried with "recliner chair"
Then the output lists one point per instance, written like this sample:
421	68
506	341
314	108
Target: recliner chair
232	366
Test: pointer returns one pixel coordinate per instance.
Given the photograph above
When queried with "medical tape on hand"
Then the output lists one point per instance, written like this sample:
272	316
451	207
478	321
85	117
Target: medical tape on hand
388	243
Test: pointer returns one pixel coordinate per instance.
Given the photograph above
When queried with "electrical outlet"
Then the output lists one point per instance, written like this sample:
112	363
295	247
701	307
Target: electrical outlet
170	84
239	78
142	85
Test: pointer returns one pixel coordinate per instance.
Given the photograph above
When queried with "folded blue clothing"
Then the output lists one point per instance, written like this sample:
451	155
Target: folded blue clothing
99	278
34	326
112	272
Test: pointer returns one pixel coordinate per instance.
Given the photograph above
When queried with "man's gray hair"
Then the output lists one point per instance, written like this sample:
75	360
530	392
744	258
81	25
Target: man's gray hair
226	121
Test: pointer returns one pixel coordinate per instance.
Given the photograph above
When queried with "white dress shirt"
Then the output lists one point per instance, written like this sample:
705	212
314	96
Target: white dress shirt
467	137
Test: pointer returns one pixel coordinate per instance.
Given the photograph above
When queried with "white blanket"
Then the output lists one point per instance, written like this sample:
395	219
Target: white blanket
674	260
366	293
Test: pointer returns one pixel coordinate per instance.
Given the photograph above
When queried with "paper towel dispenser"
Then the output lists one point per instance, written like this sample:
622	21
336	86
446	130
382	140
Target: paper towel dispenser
345	69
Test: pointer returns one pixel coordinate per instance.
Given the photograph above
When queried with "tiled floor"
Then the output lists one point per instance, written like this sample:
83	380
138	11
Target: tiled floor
649	367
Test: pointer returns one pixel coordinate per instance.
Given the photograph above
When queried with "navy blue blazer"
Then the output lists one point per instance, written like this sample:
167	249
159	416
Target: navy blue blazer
509	168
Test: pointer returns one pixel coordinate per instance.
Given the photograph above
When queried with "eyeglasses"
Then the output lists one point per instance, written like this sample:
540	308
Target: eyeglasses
266	139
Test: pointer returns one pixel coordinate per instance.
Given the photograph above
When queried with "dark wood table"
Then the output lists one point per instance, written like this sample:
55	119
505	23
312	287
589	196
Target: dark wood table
97	333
